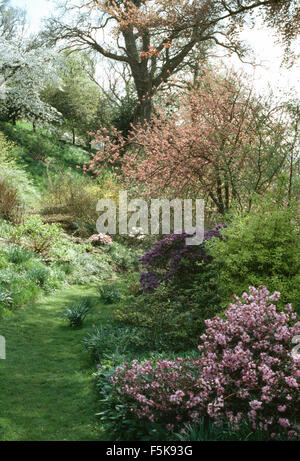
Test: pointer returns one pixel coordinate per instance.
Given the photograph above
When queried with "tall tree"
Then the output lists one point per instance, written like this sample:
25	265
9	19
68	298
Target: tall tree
77	97
224	144
155	37
24	72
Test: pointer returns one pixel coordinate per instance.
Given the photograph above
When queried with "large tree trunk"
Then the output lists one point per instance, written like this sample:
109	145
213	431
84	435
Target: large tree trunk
143	110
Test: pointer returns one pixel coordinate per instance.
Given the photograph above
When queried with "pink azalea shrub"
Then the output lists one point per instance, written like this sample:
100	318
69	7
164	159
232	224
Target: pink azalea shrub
246	372
100	239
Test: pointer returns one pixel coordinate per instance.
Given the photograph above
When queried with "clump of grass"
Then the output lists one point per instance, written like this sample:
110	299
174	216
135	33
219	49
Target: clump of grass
77	312
18	255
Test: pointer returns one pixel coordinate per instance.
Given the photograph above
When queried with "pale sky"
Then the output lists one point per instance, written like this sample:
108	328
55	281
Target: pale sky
265	52
36	9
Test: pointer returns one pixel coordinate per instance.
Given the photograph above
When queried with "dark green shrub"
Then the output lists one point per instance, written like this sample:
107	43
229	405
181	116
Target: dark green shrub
173	316
261	248
124	258
109	294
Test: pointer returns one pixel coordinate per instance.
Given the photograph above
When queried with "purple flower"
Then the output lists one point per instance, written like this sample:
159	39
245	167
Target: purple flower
171	257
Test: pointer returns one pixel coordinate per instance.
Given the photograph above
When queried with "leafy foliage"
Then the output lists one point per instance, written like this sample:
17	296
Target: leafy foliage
106	340
173	316
262	247
173	259
109	294
77	312
23	276
38	236
207	431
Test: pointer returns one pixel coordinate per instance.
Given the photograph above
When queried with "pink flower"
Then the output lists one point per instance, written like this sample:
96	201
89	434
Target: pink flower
281	408
245	372
284	422
255	405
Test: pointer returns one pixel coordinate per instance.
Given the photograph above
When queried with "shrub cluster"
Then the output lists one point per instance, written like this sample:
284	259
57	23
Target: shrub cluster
109	294
172	318
179	291
109	339
23	276
261	248
38	236
172	259
245	372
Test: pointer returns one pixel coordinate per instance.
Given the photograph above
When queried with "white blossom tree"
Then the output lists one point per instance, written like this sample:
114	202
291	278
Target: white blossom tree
24	73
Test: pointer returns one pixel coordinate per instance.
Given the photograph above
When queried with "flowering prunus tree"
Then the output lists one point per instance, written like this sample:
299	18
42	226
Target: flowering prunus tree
155	38
224	143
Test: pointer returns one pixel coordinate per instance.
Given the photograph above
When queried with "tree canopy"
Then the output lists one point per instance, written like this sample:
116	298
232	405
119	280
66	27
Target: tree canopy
155	38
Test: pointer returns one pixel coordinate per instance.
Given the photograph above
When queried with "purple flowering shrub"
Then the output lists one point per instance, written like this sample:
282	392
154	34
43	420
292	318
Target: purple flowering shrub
245	372
172	259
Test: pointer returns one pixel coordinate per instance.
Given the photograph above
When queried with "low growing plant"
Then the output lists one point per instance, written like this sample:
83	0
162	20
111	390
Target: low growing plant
109	294
77	312
39	237
109	339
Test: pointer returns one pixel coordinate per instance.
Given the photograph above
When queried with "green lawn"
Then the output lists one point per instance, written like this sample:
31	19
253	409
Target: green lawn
45	382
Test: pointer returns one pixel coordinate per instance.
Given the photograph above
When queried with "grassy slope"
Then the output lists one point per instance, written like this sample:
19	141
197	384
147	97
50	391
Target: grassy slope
45	382
40	153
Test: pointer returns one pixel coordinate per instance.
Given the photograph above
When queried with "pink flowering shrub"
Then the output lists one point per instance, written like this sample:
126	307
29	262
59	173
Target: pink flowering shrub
246	372
100	239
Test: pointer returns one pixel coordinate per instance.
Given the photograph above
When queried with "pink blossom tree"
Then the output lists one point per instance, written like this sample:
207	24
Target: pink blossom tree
224	143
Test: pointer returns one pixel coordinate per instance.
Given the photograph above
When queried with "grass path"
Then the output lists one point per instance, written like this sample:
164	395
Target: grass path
45	382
